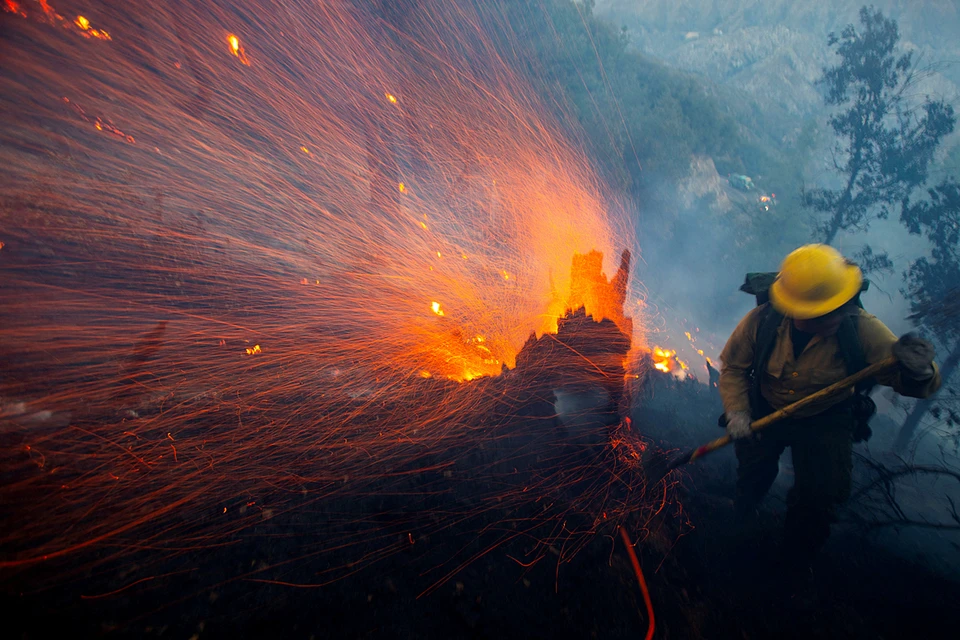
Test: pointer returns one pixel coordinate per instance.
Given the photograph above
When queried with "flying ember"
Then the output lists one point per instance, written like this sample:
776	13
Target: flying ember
171	212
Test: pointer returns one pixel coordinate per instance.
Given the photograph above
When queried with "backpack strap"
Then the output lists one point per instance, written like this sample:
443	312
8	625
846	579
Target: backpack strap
769	322
848	337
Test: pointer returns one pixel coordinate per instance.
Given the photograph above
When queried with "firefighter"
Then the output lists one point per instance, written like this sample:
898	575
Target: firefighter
812	333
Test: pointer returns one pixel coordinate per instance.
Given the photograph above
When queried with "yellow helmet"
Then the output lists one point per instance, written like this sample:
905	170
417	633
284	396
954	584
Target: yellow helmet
813	281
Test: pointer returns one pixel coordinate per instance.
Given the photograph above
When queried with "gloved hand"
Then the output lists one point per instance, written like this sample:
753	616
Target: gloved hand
915	355
738	425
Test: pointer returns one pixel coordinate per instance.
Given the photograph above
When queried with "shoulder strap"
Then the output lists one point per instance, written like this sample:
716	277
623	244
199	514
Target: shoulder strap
848	337
769	323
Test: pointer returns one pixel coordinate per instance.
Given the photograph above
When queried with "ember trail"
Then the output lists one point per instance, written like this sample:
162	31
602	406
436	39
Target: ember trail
267	261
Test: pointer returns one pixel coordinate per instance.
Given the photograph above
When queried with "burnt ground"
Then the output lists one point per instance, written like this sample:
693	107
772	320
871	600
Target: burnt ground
437	558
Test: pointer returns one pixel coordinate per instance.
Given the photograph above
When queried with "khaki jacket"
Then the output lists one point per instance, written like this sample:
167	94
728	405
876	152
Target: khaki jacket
787	380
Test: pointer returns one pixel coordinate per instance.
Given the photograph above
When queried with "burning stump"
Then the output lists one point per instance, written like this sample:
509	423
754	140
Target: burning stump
575	378
557	437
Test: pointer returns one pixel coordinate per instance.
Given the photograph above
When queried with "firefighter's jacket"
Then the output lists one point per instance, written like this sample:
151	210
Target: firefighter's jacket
787	380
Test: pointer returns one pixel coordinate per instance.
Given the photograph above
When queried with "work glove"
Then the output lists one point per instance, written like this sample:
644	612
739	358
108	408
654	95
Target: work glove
915	355
738	425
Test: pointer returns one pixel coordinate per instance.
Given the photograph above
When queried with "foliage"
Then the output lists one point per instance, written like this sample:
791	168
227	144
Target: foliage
932	283
932	287
885	143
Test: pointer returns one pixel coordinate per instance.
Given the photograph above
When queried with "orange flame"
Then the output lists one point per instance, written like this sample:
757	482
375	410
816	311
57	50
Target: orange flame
663	359
666	360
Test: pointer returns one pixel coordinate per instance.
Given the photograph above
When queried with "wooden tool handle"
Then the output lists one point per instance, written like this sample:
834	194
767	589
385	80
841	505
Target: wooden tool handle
790	409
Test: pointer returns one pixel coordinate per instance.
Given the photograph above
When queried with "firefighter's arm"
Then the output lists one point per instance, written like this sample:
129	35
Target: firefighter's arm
877	342
736	361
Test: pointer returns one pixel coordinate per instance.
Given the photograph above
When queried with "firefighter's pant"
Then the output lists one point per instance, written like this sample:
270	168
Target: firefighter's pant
822	461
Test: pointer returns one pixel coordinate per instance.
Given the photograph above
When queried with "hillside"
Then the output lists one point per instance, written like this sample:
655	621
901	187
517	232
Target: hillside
774	50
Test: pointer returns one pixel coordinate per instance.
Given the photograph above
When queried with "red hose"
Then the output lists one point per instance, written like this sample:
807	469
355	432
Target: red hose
640	580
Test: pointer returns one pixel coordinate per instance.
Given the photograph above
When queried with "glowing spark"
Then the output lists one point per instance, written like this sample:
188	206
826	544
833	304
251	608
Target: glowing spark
99	123
47	9
689	337
13	7
426	374
402	187
506	187
84	25
237	50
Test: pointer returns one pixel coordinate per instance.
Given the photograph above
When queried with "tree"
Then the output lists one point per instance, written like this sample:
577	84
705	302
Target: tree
932	286
885	143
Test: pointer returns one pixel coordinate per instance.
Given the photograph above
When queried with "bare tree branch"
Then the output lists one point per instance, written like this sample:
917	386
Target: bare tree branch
875	505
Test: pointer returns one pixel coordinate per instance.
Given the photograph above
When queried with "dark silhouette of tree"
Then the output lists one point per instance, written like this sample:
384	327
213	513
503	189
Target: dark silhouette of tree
933	286
885	142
